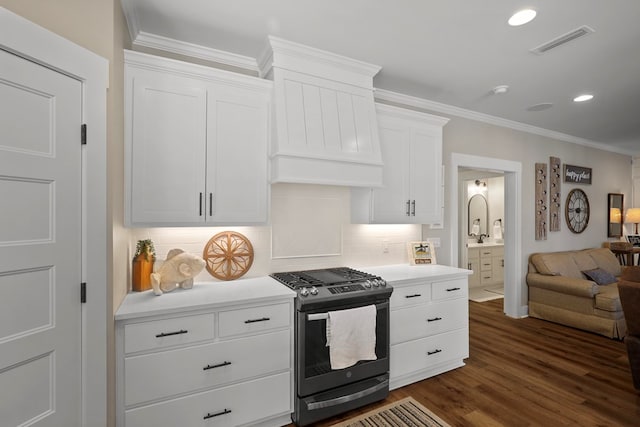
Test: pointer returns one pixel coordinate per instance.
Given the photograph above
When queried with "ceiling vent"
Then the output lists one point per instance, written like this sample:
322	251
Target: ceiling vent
565	38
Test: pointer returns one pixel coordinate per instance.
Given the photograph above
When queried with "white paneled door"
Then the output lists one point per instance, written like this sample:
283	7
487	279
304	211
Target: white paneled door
40	245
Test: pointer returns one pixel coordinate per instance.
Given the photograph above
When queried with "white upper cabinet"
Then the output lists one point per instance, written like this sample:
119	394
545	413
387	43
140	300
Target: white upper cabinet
411	145
325	119
196	144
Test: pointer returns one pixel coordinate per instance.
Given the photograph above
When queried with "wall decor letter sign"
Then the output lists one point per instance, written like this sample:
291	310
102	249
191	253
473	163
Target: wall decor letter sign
577	174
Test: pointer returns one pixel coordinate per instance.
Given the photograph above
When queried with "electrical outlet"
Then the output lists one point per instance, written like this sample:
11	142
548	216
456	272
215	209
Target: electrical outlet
385	246
435	241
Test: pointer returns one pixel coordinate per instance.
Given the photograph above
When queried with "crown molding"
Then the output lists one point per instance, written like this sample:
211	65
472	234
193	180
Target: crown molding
187	69
193	50
412	101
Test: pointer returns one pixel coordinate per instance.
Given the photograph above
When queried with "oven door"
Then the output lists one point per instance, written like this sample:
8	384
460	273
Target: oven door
314	373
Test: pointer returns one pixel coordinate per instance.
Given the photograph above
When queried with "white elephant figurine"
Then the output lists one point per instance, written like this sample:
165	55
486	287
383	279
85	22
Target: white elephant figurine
177	271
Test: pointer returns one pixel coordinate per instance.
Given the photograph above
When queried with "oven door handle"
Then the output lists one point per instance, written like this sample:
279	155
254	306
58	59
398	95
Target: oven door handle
324	316
317	316
348	398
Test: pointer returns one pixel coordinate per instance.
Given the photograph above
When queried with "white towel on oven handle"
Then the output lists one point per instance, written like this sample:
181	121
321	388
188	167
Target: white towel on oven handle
351	336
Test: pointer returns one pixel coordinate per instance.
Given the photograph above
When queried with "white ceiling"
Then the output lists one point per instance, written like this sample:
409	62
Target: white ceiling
452	52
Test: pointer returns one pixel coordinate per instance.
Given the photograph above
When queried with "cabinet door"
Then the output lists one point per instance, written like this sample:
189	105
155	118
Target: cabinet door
498	269
237	137
425	166
474	278
391	202
166	142
411	147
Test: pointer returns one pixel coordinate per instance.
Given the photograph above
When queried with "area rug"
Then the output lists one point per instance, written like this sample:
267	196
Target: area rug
403	413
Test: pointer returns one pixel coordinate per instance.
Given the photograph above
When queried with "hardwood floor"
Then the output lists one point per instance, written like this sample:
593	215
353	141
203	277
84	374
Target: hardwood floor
529	372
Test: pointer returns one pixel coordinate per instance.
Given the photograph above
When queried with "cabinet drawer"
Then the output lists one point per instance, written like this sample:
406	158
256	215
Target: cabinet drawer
486	277
486	253
254	319
429	319
410	295
165	333
485	264
157	375
425	353
456	288
235	405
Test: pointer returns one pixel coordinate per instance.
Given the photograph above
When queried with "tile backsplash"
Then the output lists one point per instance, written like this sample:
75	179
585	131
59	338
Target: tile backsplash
305	233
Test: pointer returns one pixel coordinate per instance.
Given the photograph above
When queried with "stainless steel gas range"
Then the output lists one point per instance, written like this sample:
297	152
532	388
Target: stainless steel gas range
322	392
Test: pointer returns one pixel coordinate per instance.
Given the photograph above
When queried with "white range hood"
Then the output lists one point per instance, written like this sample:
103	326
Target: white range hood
325	129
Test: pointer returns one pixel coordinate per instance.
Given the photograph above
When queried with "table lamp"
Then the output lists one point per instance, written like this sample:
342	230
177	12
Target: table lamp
615	215
633	217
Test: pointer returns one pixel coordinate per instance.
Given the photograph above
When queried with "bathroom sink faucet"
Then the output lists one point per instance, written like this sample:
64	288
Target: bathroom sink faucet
481	237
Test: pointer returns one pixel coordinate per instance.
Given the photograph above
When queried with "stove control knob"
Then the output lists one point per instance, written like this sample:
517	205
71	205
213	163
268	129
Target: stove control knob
383	282
314	291
367	284
375	283
304	292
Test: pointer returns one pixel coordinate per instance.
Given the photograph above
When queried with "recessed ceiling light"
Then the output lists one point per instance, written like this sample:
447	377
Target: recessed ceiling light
499	90
583	98
522	17
540	107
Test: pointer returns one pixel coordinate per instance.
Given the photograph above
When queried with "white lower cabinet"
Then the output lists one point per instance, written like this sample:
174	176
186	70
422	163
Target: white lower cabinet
235	405
227	365
429	328
487	264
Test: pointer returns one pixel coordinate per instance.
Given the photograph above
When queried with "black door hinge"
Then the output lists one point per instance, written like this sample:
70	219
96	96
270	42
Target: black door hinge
83	292
83	134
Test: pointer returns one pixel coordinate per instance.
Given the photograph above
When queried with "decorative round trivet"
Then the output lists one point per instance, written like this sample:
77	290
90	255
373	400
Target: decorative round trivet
228	255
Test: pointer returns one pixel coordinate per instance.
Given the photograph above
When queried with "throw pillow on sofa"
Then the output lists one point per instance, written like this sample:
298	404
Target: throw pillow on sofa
600	276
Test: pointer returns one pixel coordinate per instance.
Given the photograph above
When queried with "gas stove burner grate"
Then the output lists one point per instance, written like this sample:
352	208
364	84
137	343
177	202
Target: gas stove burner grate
321	277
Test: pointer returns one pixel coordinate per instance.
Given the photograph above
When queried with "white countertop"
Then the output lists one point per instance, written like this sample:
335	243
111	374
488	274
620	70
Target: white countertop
407	272
484	245
203	295
261	289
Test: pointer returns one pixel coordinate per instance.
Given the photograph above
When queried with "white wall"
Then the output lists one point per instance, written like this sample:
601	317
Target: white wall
308	230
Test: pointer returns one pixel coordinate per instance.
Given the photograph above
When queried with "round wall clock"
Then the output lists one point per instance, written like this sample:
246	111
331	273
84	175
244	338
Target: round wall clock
228	255
576	211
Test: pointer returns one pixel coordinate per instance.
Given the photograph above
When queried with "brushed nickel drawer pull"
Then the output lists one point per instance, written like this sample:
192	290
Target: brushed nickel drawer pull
219	365
168	334
217	414
262	319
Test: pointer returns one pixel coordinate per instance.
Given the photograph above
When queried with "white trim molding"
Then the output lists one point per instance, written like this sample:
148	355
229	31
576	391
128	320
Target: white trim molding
514	283
425	104
195	51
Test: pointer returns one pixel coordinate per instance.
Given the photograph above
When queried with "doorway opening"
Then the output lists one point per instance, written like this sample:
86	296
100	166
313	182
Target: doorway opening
512	238
482	235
